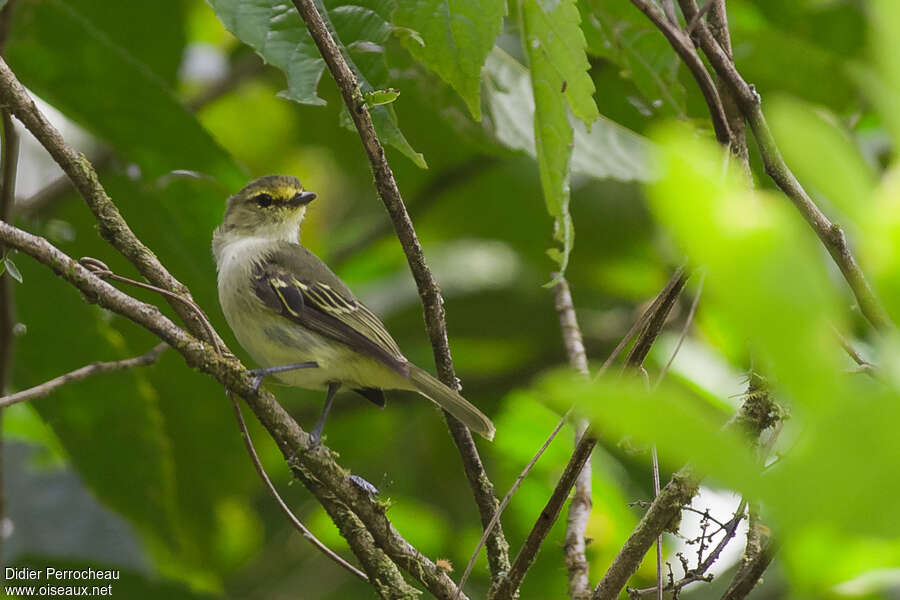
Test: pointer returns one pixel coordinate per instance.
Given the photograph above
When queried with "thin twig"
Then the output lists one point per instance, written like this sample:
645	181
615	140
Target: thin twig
684	331
99	268
503	503
830	234
641	323
429	292
757	413
97	368
509	585
692	24
111	225
575	546
852	353
669	9
654	463
245	434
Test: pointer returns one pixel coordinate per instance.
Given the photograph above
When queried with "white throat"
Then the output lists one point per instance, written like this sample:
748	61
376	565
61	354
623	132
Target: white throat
249	246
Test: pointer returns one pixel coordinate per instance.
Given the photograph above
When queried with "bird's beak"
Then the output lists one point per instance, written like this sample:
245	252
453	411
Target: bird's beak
303	198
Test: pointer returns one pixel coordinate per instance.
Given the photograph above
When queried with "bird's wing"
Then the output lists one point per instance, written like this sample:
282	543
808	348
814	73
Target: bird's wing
315	298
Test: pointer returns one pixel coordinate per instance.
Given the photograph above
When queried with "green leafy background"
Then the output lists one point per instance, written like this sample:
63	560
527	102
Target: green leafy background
534	120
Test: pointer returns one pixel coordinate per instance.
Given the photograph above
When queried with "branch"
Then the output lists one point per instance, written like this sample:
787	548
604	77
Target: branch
718	23
111	225
298	525
685	49
435	321
750	573
580	506
315	466
830	234
509	585
658	312
757	413
97	368
699	572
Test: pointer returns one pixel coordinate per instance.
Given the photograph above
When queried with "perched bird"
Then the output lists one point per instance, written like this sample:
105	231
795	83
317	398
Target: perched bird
298	320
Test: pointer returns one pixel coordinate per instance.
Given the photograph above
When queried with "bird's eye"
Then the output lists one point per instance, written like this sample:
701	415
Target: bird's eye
263	200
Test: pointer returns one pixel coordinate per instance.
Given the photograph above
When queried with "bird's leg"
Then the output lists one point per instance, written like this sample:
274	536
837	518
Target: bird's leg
258	374
320	424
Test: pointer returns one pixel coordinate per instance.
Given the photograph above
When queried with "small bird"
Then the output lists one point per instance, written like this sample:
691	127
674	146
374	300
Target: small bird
298	320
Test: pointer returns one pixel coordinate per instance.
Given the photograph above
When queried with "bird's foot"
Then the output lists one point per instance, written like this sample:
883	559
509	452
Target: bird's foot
259	374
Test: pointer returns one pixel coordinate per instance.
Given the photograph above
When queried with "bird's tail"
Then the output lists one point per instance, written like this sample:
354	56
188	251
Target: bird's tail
451	401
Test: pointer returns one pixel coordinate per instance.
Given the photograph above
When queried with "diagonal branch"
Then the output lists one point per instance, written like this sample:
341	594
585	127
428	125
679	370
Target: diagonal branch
750	572
111	225
830	234
314	465
685	49
659	311
96	368
298	525
430	294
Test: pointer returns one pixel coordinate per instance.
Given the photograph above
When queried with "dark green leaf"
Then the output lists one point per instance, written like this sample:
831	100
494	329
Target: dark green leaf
277	33
105	88
456	37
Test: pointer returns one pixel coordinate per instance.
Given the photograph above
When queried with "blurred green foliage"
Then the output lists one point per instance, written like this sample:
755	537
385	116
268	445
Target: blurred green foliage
509	173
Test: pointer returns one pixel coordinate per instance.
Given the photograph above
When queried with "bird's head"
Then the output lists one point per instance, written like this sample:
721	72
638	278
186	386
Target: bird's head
272	206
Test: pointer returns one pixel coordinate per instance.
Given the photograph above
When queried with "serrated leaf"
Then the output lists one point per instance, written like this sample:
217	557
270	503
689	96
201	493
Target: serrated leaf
608	151
276	32
10	268
554	43
109	90
456	38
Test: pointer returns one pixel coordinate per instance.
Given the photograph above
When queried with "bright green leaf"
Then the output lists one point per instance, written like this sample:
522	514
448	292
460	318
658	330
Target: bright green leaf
380	97
840	173
758	254
456	37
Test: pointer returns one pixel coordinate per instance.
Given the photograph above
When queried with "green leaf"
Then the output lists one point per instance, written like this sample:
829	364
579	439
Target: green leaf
156	39
757	254
380	97
103	86
555	46
10	267
456	37
276	32
111	426
607	151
